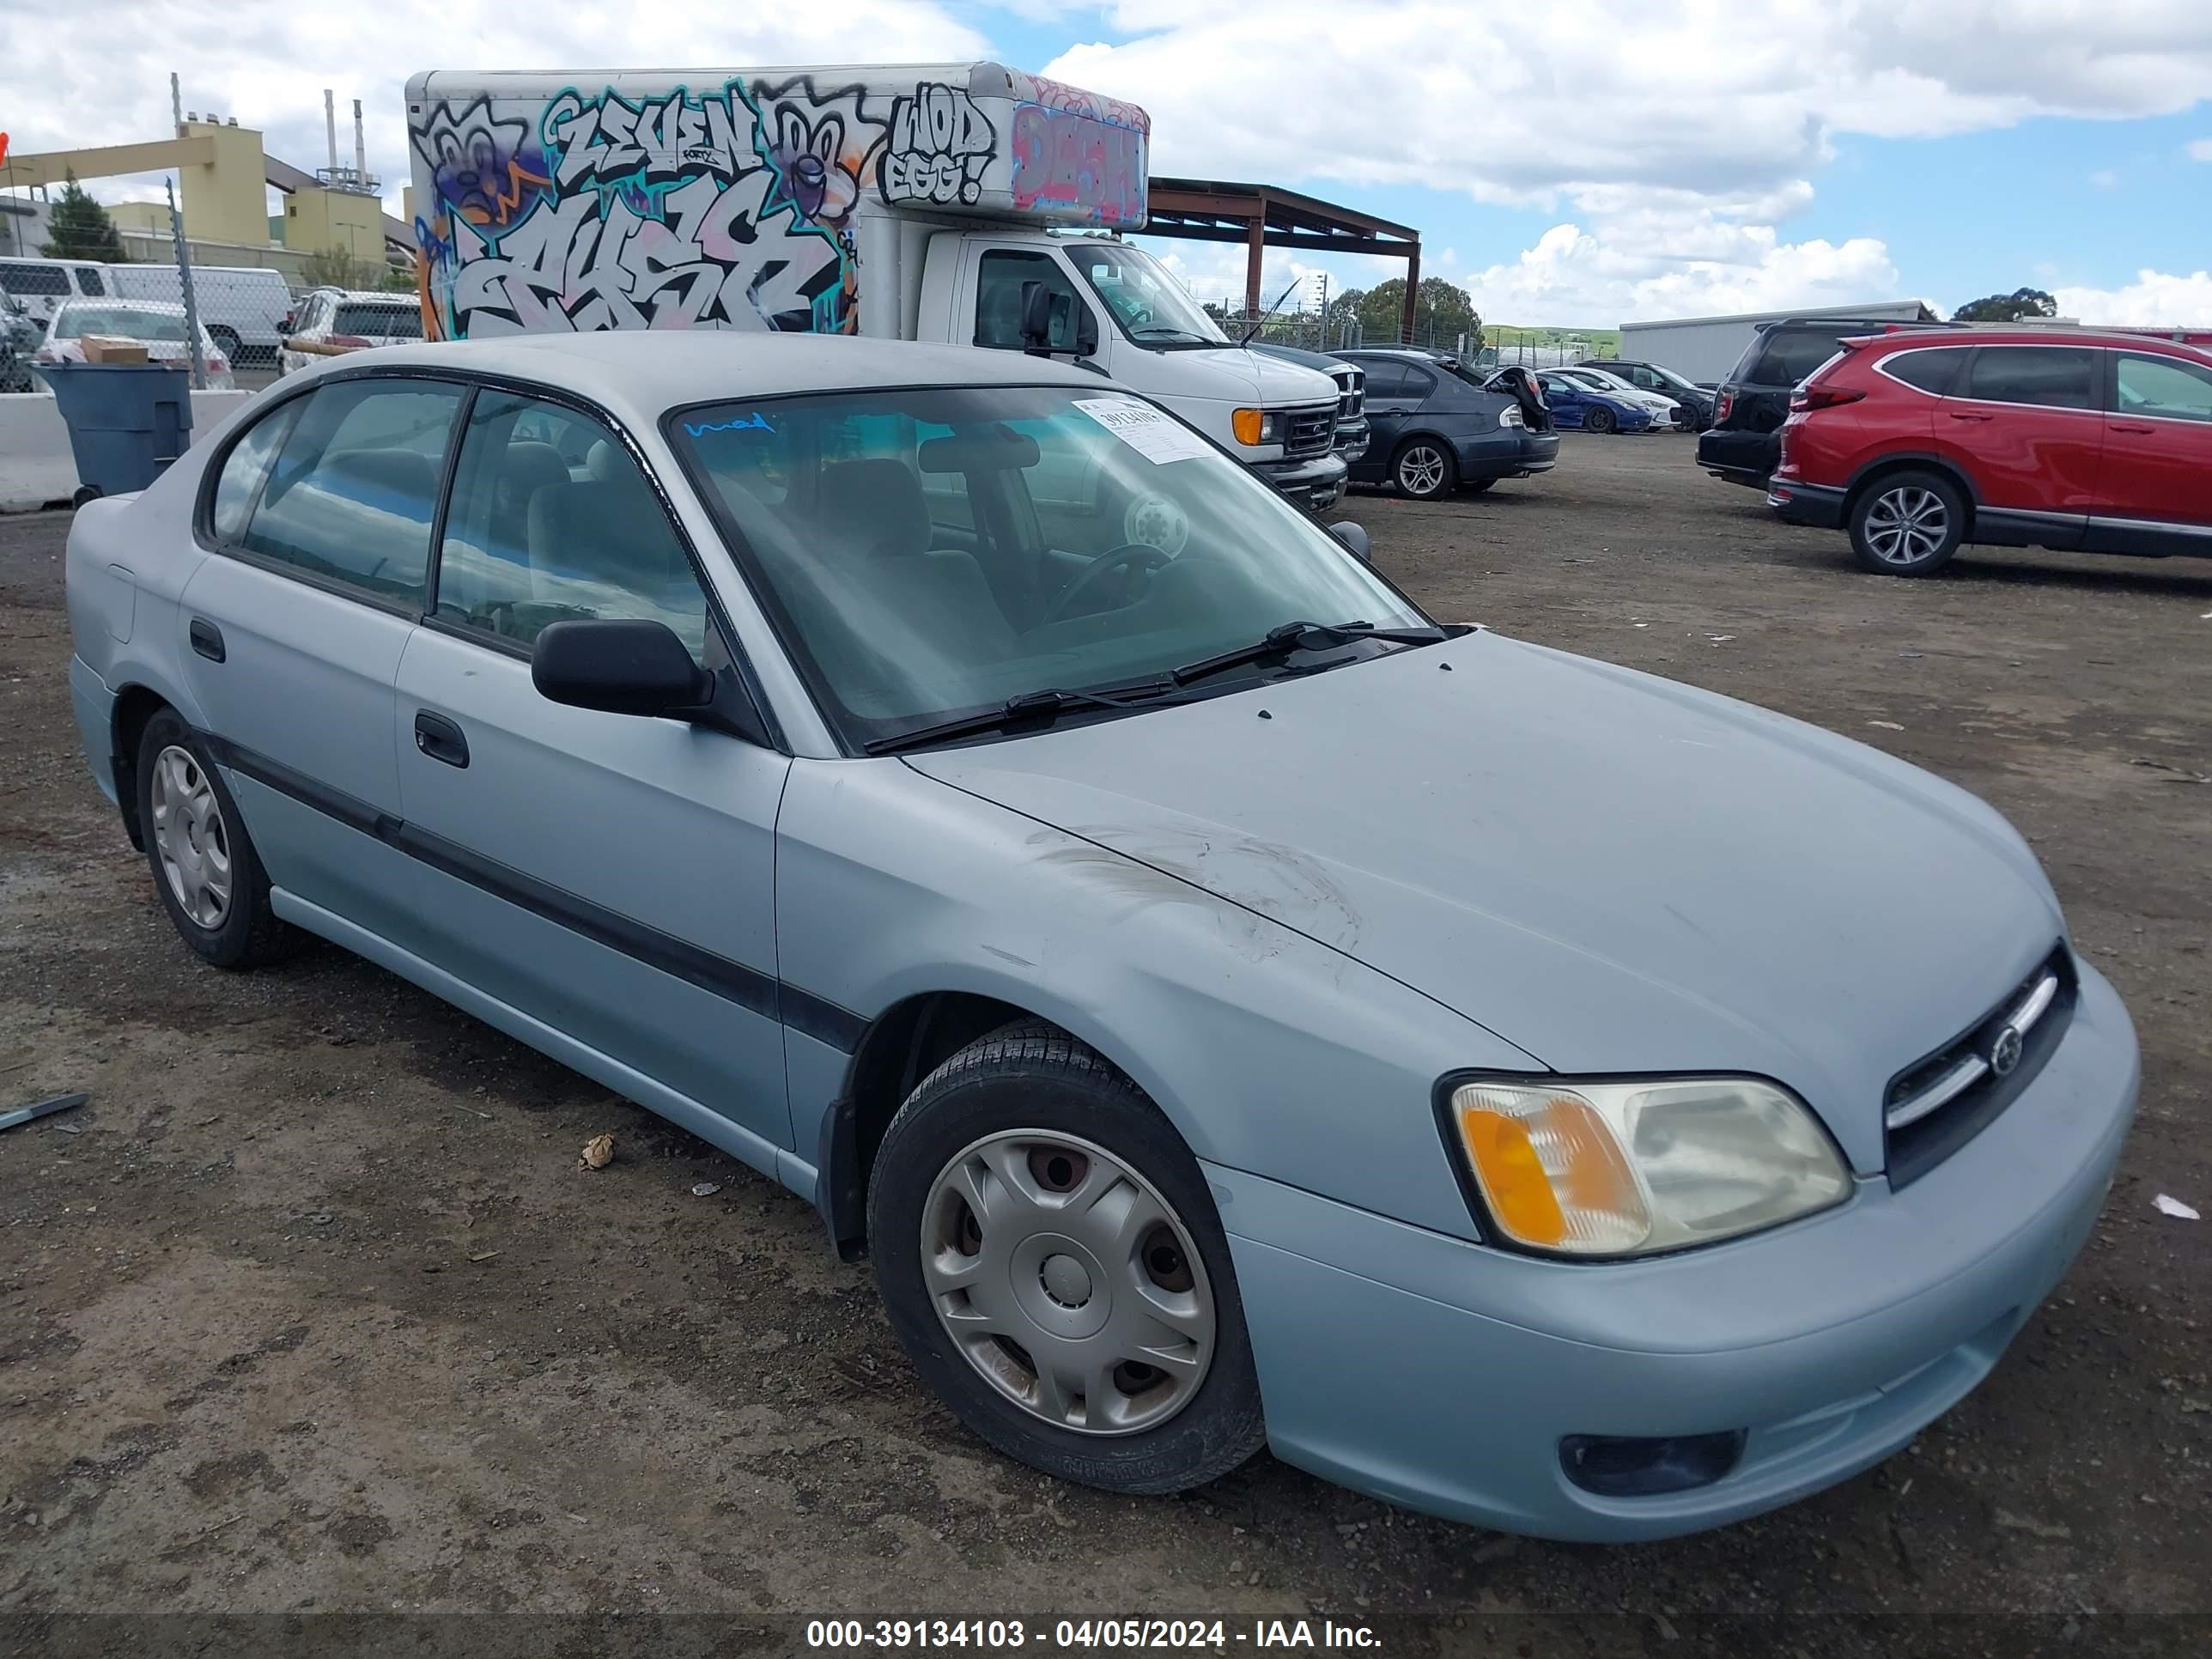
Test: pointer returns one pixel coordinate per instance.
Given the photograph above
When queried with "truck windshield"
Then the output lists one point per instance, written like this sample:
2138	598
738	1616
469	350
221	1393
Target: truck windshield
929	554
1151	308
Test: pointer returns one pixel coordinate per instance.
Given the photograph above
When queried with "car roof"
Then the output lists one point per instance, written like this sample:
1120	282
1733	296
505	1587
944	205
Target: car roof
652	370
1974	335
389	296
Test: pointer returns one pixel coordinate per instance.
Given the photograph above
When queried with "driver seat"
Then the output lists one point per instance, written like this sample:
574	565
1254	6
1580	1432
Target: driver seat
875	530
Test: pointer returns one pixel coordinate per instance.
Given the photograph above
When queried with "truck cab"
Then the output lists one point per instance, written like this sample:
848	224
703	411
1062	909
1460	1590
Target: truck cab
969	204
1104	302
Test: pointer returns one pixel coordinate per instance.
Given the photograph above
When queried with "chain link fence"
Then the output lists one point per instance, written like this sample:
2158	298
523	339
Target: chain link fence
1312	330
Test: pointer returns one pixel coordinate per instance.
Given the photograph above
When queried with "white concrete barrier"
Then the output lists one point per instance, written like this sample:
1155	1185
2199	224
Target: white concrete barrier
36	467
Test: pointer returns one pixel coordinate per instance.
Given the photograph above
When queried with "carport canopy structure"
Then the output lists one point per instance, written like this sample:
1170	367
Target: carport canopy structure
1262	216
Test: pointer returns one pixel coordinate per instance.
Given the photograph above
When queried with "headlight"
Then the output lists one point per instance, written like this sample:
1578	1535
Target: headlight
1257	426
1631	1168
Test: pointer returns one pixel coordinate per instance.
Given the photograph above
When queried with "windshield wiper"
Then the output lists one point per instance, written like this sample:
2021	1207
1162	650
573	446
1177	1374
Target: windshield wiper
1301	637
1043	706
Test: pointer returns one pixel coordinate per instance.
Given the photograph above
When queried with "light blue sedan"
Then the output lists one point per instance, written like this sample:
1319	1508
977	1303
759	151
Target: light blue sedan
1230	1008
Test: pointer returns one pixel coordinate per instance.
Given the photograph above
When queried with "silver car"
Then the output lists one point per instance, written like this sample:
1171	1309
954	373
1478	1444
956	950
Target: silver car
1229	1007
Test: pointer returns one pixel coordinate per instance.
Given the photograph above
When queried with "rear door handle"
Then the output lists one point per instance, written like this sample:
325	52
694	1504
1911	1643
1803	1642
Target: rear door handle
439	738
206	639
2144	430
1961	415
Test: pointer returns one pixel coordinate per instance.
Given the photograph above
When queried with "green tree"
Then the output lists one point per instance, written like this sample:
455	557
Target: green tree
333	267
1443	311
2011	308
78	227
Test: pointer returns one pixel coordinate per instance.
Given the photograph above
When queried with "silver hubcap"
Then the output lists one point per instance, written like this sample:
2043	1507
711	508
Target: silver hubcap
1068	1282
1906	525
1421	470
191	837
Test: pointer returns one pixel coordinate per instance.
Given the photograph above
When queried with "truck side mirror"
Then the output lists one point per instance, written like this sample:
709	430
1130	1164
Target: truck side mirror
1086	333
1037	317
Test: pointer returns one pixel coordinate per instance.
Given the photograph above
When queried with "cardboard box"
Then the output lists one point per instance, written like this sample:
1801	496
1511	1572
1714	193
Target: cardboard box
106	349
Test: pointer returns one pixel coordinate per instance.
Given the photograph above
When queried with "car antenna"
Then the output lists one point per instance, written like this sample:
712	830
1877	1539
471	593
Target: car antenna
1269	311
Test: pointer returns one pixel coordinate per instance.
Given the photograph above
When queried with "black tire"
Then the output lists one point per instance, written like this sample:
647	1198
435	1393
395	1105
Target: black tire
249	934
226	342
1422	468
83	494
1032	1076
1599	419
1908	524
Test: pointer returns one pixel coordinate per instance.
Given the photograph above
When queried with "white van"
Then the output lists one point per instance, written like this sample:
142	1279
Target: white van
969	203
42	284
242	307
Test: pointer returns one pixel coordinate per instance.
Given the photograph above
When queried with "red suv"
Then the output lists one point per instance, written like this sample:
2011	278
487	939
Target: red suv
1915	443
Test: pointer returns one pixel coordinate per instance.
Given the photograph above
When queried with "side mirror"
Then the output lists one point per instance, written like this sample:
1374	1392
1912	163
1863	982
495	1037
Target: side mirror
1036	317
1086	333
1355	537
621	666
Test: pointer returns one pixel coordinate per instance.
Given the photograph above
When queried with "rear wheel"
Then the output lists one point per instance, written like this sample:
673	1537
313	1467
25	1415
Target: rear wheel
1598	418
1908	524
208	877
1052	1262
1422	468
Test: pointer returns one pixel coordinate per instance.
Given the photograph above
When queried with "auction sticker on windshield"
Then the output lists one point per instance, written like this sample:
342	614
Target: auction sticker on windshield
1144	429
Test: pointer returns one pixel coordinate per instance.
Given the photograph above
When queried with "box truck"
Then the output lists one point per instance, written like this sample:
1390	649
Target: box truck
966	203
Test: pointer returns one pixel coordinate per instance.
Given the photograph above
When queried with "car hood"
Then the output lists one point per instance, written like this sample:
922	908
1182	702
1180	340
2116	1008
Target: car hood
1614	872
1232	375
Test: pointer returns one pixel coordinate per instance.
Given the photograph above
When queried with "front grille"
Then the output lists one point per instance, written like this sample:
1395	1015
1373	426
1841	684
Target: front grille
1308	432
1351	395
1944	1099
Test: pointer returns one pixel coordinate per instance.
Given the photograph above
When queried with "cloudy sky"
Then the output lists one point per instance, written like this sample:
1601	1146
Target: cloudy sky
1576	163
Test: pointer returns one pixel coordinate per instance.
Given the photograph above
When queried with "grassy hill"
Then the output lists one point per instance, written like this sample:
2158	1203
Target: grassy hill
1597	342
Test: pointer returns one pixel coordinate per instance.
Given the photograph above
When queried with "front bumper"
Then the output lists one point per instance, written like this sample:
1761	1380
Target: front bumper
1744	458
1316	483
1514	453
1820	506
1443	1375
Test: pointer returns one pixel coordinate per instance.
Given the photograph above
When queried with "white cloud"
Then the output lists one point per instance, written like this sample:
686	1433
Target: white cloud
102	66
2200	150
2154	300
2104	178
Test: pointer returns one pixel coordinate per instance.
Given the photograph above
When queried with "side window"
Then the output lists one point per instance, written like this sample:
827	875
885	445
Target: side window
25	280
356	485
2049	377
1791	354
1643	377
999	282
2165	387
552	520
1933	370
1419	383
239	483
1384	377
88	281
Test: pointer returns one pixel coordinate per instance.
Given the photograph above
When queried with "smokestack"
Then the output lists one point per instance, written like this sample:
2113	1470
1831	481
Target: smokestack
176	104
360	147
331	120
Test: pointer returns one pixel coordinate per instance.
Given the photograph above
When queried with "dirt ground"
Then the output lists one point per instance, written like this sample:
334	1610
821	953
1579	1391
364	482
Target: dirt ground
310	1310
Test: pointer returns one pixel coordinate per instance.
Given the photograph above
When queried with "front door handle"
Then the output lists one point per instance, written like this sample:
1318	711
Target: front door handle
439	738
206	639
1961	415
2144	431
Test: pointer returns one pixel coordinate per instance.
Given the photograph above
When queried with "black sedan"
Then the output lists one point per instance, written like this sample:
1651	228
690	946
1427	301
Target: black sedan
1435	424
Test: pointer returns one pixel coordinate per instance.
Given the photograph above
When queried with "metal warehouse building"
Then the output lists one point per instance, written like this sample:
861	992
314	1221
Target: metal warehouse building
1704	349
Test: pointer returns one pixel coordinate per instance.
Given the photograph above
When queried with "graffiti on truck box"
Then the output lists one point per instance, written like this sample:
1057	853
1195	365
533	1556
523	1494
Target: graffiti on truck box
940	143
590	211
1066	160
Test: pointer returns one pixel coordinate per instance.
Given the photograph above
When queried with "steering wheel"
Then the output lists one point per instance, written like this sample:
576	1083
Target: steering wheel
1129	555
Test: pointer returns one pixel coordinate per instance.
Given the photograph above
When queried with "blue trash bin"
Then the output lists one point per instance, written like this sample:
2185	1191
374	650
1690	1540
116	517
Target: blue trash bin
126	422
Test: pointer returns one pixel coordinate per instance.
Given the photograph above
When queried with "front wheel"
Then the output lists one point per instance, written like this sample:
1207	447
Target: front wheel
1909	524
1598	420
1052	1262
1422	468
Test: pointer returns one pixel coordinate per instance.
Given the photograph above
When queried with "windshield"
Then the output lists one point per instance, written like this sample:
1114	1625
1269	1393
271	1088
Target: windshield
1151	306
388	322
122	322
932	553
1672	379
1599	381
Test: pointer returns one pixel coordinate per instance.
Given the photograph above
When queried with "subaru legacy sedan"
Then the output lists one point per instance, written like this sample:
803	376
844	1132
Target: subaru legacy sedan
1229	1007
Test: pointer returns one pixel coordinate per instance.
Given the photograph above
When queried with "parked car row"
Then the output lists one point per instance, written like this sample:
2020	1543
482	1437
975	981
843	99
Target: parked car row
242	307
158	329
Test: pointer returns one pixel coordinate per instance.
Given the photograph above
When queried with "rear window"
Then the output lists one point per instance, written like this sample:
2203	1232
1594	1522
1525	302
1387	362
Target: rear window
1791	354
393	322
1934	369
21	279
2049	377
124	322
